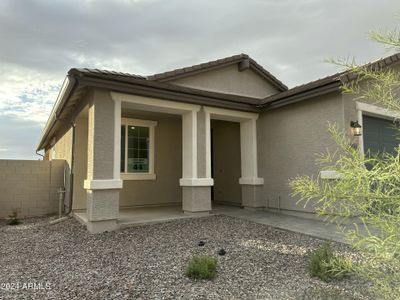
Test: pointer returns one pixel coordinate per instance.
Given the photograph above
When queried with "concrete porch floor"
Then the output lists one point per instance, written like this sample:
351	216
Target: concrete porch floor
130	216
148	215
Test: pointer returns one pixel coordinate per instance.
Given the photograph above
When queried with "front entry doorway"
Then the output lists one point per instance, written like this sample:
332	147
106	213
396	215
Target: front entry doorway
225	162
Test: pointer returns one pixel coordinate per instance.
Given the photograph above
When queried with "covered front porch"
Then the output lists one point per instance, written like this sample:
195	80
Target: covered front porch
135	216
148	159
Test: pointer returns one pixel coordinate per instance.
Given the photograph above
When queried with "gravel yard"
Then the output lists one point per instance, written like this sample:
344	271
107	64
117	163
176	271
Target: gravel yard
148	262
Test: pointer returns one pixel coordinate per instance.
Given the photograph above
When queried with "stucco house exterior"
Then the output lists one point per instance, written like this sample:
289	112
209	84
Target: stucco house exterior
225	132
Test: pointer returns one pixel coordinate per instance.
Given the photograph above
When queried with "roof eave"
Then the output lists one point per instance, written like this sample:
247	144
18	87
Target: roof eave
308	94
65	92
170	92
267	75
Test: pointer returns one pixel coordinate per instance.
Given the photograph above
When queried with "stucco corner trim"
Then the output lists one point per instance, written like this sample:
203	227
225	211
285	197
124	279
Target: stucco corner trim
330	174
251	181
196	182
103	184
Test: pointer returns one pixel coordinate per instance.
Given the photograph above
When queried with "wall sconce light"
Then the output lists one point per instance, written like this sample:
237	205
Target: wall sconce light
355	128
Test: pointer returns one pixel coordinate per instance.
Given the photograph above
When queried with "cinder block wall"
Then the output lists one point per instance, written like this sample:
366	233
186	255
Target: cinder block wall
30	187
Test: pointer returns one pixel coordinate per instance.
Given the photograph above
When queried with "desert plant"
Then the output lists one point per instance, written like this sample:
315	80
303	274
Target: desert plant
13	218
326	265
367	185
202	267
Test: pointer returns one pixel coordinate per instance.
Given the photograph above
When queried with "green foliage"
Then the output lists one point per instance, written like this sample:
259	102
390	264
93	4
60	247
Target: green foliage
325	265
367	186
13	218
202	267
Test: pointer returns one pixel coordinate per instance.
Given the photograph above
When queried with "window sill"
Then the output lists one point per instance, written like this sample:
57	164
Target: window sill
138	176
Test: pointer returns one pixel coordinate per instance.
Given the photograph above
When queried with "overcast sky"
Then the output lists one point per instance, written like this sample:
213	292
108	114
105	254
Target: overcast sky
42	40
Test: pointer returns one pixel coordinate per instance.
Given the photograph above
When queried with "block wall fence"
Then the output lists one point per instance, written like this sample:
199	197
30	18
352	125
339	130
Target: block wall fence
30	187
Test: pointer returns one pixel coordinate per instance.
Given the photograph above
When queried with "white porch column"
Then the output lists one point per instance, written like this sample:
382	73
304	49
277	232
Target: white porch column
189	146
248	148
251	183
103	180
196	182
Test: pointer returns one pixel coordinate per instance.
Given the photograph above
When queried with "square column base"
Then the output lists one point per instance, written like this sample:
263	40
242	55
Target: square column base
102	209
102	204
196	199
252	197
102	226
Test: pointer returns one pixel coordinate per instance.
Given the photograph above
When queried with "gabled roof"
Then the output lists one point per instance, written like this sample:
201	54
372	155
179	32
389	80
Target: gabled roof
78	80
90	76
219	63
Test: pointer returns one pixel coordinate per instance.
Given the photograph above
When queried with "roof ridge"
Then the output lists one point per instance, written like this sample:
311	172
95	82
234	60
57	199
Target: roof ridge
169	75
176	71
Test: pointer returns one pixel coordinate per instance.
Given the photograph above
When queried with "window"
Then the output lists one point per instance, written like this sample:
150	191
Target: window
380	135
137	149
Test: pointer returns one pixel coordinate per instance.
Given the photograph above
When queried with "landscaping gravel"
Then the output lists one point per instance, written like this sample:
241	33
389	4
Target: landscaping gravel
64	261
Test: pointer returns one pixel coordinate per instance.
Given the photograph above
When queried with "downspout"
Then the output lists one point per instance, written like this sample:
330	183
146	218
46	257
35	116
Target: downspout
37	153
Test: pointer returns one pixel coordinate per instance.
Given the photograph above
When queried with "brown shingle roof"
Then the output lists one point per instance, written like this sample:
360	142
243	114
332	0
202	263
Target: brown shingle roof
186	71
136	80
106	73
337	79
304	88
81	78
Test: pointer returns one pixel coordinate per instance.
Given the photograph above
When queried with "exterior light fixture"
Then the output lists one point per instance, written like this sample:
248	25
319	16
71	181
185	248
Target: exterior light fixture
355	128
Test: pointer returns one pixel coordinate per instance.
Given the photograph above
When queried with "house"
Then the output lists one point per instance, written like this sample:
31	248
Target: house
226	132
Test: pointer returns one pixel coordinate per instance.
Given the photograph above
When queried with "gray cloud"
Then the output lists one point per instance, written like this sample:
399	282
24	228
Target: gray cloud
41	39
18	138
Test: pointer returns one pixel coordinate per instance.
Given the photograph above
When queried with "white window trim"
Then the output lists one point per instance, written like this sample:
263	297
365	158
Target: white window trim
144	123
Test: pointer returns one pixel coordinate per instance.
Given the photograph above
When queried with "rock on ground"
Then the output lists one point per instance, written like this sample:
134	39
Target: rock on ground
148	262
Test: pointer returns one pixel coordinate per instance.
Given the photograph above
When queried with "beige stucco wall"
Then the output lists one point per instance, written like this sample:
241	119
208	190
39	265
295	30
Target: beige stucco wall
226	161
80	164
62	149
229	80
167	166
289	140
30	187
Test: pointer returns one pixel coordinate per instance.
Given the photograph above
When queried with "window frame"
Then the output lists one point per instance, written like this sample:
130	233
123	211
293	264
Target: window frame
371	110
150	175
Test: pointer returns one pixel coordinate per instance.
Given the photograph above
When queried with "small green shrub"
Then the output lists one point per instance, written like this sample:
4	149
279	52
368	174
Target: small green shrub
325	265
13	218
202	267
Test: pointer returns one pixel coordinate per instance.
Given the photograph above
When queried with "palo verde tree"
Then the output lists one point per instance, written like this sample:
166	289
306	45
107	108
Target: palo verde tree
367	185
